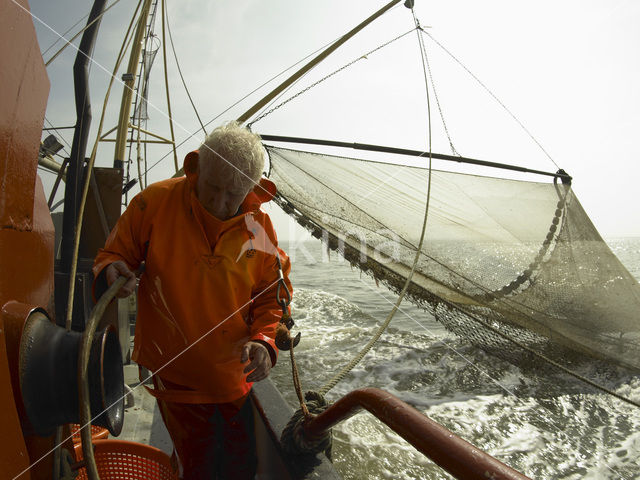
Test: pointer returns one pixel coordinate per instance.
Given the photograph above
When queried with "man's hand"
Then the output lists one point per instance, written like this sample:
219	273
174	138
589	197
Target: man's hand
260	361
117	269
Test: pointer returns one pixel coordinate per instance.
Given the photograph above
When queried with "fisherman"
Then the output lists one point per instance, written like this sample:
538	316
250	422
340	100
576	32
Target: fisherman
207	303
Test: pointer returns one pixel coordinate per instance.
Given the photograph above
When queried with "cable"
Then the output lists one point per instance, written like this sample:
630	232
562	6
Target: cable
346	369
191	135
326	77
76	35
435	94
184	83
492	95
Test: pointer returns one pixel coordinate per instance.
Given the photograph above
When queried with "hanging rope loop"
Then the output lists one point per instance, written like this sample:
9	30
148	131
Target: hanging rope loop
347	368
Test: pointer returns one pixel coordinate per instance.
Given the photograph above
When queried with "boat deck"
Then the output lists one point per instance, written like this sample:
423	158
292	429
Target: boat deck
143	424
142	420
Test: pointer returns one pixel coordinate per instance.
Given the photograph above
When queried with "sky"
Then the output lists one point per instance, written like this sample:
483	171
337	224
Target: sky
569	71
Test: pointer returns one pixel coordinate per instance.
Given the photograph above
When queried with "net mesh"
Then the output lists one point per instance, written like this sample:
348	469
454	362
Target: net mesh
141	113
502	260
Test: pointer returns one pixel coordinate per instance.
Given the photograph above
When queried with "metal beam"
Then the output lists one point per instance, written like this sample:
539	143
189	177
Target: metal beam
455	455
415	153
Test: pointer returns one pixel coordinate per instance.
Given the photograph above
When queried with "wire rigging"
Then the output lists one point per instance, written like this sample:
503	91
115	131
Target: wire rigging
191	135
326	77
68	42
184	83
435	94
268	106
346	369
260	114
492	95
139	117
55	42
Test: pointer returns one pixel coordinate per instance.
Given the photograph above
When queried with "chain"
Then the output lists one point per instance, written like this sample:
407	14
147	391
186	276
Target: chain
504	107
435	94
533	267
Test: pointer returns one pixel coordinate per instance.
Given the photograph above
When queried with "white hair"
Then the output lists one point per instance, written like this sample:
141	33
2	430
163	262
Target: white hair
234	152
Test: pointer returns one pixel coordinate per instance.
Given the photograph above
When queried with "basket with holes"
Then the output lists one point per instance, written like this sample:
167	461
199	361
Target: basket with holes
123	460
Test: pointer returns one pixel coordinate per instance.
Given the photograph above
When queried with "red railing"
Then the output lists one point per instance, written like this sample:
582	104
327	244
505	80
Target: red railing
457	456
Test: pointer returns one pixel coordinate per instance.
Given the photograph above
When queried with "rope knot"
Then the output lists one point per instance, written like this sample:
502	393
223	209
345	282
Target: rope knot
293	439
316	403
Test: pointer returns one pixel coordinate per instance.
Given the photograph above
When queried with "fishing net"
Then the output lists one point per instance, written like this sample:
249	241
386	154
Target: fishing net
502	261
141	113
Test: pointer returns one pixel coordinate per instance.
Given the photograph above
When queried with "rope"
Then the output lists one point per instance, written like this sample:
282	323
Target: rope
184	83
293	439
285	324
362	57
191	135
166	88
345	370
296	383
53	57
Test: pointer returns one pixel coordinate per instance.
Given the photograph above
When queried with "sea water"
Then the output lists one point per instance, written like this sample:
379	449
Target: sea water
543	423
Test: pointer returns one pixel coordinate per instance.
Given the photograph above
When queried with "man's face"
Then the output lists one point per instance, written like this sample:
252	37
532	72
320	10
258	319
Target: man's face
218	193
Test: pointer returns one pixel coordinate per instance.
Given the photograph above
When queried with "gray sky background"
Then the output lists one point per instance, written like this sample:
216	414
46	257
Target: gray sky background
569	70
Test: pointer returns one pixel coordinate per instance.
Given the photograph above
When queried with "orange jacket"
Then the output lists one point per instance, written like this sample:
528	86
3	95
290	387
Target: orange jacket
200	299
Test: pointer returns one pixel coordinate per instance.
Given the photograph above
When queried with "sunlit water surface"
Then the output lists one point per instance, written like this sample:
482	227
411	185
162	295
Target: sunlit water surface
543	423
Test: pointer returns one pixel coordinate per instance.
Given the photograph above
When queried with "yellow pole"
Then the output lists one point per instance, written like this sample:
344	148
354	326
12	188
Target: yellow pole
166	86
132	70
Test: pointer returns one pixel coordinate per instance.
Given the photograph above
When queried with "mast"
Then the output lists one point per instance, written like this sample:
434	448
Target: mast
129	79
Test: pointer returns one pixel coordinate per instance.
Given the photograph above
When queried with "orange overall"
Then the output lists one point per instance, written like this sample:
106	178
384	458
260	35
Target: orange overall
208	287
